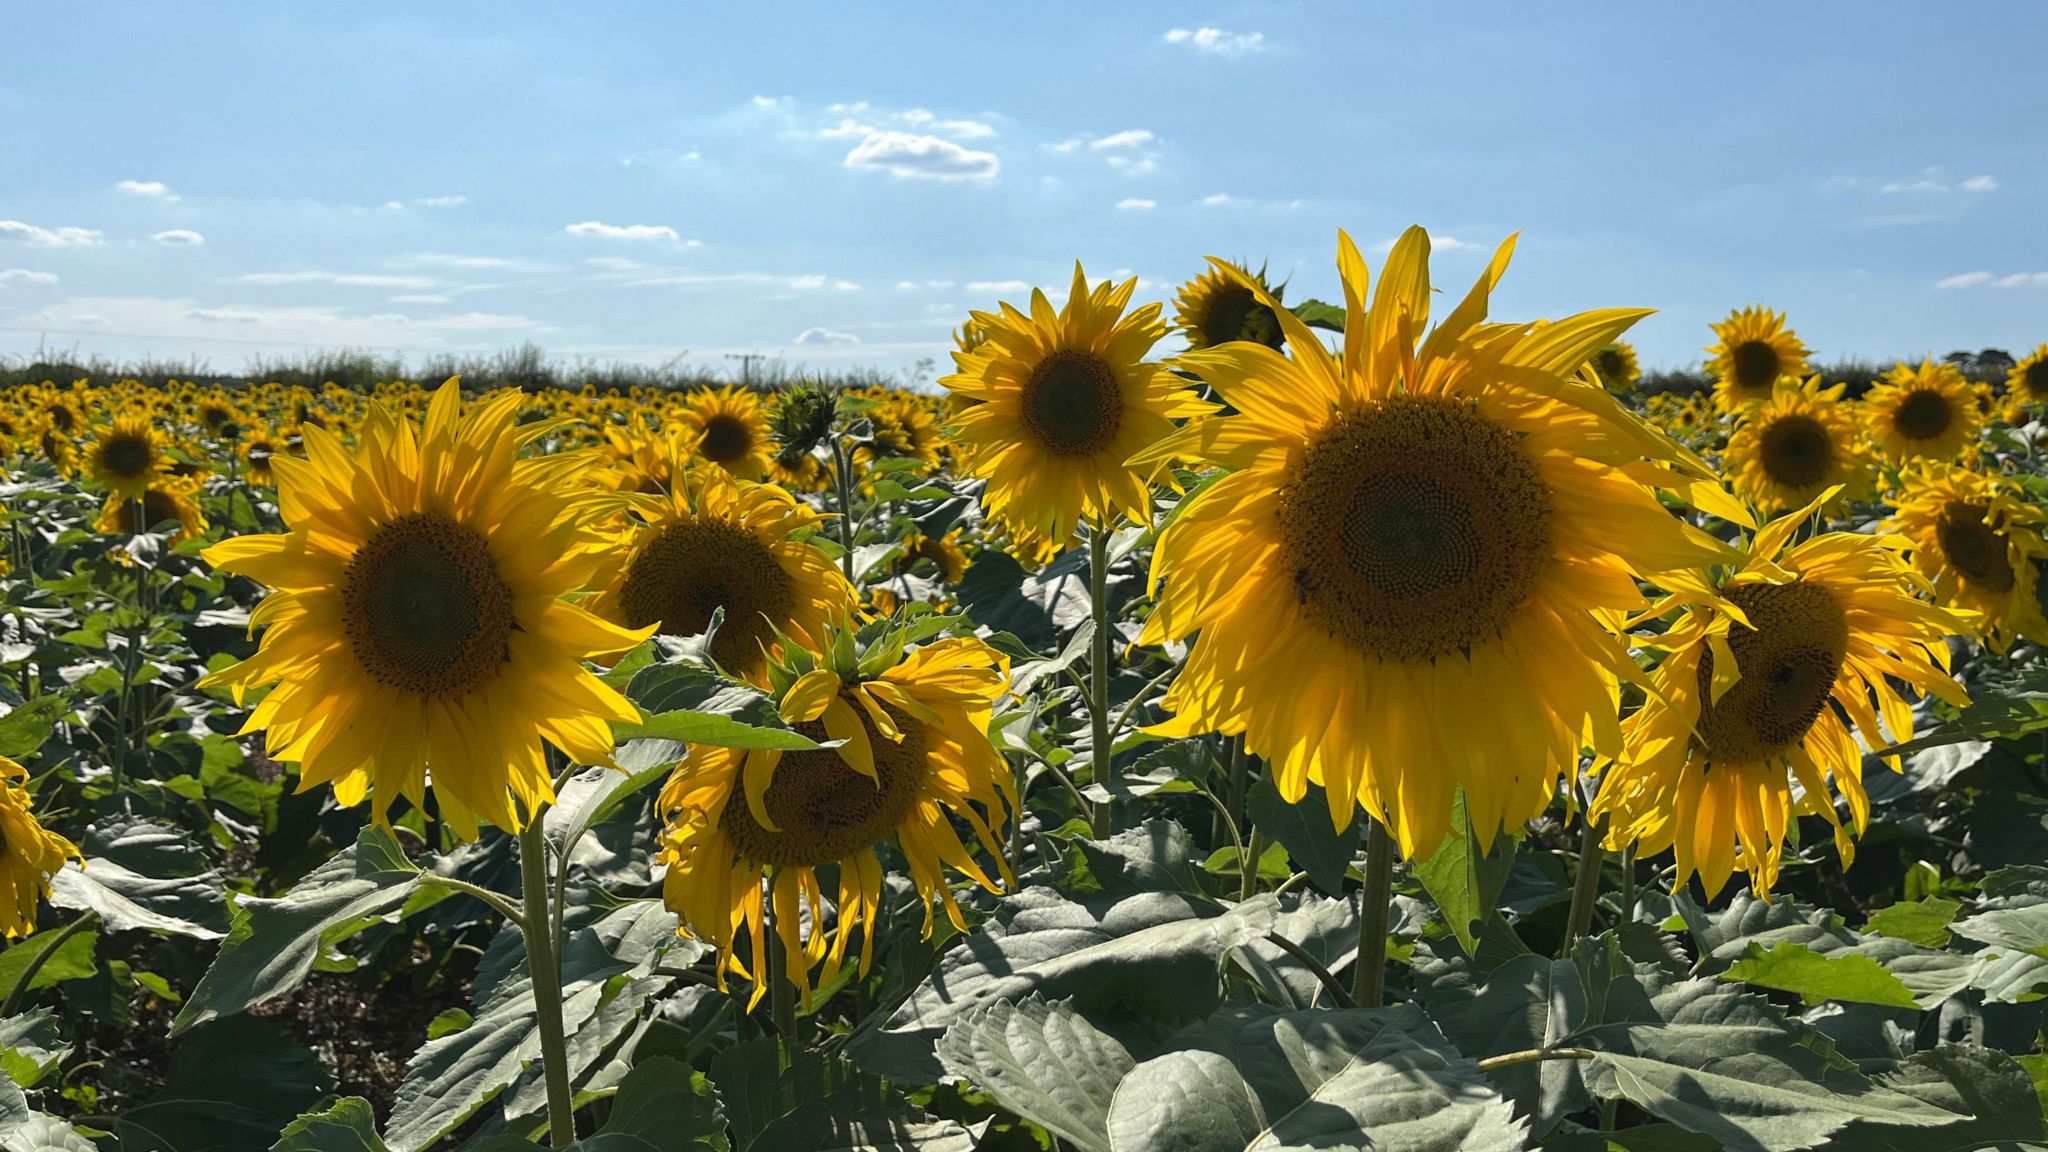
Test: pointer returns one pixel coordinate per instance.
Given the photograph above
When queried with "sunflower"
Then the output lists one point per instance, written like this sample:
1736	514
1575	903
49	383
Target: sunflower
1429	537
173	499
418	624
257	451
1761	679
129	456
948	559
713	542
1066	399
916	756
29	853
1924	413
1977	541
1796	445
220	417
2027	383
1617	367
728	428
1215	309
640	459
904	429
1754	349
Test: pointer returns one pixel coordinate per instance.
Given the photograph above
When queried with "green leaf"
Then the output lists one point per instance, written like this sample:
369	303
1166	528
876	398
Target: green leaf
2017	929
670	1106
448	1022
1312	841
1467	885
1354	1079
1987	1091
1848	976
273	942
1042	1061
348	1126
31	1047
1923	922
140	876
1151	857
24	728
230	1086
689	703
1317	314
1153	953
716	730
73	960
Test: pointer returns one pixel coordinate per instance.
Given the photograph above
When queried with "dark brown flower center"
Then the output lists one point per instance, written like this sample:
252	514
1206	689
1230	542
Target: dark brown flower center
727	439
2035	379
425	607
1072	404
1232	312
1757	365
690	570
1923	415
1786	667
824	811
126	456
1415	527
1796	451
1973	548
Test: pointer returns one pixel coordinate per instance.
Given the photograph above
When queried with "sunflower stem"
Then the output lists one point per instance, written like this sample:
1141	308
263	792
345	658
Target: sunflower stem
1628	883
56	940
1586	889
545	968
1098	679
842	485
1248	864
1369	971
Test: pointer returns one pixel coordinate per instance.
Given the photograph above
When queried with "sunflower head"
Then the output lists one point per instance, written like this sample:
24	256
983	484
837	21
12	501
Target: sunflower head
1214	309
904	428
2027	382
914	756
1617	367
1764	673
1926	412
1978	542
716	547
129	455
727	427
171	500
1796	445
1753	349
419	628
1062	400
1438	521
29	853
801	421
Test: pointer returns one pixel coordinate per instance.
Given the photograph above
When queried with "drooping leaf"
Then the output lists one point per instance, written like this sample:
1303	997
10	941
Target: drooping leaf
1312	841
139	875
31	1047
1467	884
1988	1092
1042	1061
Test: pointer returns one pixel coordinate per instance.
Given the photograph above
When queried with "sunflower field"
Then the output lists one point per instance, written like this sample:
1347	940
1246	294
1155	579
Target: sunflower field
1380	725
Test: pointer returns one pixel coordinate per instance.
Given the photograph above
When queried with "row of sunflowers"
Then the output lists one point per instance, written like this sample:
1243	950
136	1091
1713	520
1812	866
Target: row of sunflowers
1109	750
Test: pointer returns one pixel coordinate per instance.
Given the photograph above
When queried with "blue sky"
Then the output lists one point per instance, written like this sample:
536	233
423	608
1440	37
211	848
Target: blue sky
840	183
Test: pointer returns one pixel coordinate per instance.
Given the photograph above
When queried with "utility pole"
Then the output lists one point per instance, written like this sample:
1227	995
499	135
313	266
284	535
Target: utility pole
746	360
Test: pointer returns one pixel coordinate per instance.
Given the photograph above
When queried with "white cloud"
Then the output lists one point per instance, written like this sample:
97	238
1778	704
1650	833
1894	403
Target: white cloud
845	286
147	189
1128	138
614	263
446	260
2022	279
602	231
846	129
1993	280
1133	204
1222	200
906	155
1067	145
958	129
1980	184
1134	166
25	276
997	287
440	202
815	336
1964	280
1933	179
342	279
1216	41
179	238
60	237
806	283
906	285
419	298
767	102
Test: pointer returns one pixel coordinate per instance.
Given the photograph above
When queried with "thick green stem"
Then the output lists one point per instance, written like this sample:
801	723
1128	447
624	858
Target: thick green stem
545	968
1248	864
1098	678
1369	972
1533	1056
781	992
35	964
1628	883
1586	889
842	483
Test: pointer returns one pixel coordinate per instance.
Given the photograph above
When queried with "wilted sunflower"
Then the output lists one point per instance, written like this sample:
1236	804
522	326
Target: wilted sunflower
728	428
418	626
129	456
1761	679
1924	413
1215	309
173	499
1754	349
1065	399
1617	367
2027	382
29	853
1977	540
1800	443
916	757
713	542
1397	588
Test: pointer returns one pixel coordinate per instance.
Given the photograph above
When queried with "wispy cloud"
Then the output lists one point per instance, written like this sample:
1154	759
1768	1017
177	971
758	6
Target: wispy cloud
25	276
1217	41
1128	138
1134	204
65	236
147	189
998	287
342	279
599	230
812	337
1934	180
1982	279
907	155
179	238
